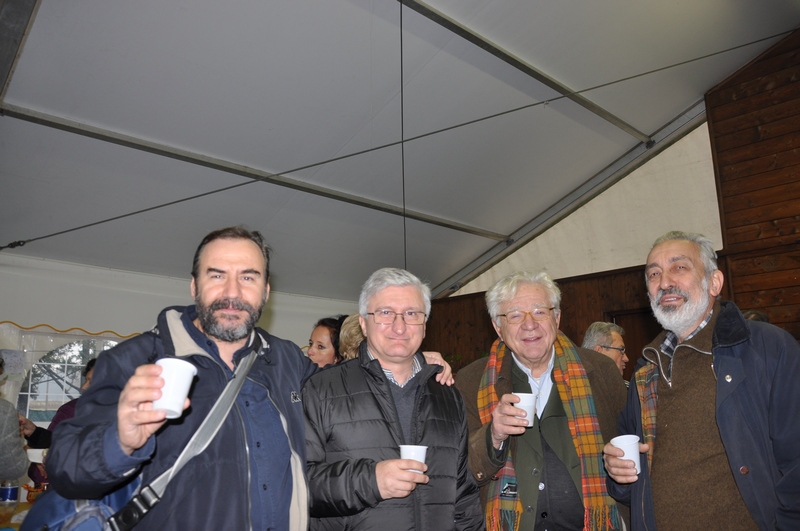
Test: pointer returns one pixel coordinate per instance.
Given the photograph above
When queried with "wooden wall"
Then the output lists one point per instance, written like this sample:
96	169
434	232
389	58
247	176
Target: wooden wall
754	123
461	329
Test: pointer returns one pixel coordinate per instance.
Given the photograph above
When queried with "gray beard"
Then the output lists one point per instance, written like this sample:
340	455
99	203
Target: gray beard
215	327
679	319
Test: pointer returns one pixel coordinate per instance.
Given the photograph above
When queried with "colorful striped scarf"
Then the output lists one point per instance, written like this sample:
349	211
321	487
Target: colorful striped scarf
575	392
646	380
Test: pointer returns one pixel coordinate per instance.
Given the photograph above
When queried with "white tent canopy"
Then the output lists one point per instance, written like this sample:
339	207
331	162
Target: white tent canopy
355	134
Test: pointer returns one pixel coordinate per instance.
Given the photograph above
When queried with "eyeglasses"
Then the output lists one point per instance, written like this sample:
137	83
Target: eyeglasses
517	316
410	317
621	349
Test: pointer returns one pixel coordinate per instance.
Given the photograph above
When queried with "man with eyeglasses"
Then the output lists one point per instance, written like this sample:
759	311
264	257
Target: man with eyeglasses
360	411
546	471
606	338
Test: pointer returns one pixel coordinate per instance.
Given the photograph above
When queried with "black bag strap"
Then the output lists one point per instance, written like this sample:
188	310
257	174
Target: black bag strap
149	495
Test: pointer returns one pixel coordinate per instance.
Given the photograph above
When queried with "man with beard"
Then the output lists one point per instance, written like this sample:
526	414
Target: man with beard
717	403
251	475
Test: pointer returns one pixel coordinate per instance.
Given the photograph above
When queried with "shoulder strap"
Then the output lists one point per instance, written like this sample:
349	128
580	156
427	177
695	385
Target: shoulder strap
127	517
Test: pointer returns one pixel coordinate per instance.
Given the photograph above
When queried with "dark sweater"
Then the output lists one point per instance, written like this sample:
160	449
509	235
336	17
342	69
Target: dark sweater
609	398
690	472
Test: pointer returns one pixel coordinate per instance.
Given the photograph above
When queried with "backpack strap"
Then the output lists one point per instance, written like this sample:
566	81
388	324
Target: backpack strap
130	515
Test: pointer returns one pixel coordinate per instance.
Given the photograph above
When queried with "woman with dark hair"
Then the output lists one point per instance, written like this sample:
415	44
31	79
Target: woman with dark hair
323	345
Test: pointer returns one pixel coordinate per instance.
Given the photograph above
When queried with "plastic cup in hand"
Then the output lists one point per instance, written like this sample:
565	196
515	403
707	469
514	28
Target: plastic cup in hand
417	453
630	445
36	455
527	401
178	376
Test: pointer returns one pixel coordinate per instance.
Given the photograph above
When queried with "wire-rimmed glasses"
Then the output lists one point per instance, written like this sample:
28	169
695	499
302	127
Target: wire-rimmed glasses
537	314
621	349
410	317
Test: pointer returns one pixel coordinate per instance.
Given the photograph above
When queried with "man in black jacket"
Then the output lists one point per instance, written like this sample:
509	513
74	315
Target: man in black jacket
359	412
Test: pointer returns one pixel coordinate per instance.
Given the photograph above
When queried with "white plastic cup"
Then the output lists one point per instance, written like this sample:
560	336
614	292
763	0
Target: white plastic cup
36	455
417	453
178	376
630	445
527	401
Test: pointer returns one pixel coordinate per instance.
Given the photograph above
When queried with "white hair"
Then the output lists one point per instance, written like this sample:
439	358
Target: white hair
392	277
506	288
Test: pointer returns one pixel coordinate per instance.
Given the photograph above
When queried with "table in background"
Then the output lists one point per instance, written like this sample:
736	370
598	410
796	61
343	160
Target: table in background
21	507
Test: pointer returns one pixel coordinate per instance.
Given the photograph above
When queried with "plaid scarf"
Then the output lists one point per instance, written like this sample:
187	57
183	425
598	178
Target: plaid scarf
646	380
576	394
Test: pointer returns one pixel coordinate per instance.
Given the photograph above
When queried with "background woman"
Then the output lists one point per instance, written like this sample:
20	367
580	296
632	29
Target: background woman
323	345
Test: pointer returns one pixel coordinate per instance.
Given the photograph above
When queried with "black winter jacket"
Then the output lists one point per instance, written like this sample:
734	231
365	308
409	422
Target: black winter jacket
352	424
212	490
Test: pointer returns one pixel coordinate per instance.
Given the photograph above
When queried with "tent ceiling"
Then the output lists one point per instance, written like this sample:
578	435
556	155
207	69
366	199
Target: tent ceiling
146	124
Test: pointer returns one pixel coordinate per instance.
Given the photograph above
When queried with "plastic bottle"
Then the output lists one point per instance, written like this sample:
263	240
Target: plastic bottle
9	498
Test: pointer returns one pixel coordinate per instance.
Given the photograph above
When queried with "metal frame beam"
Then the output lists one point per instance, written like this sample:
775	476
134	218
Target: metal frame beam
487	45
600	182
233	168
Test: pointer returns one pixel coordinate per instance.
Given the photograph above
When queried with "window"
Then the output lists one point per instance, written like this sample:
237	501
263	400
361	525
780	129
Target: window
56	377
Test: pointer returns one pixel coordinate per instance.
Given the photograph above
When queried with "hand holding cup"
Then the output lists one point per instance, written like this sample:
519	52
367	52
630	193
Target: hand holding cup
624	464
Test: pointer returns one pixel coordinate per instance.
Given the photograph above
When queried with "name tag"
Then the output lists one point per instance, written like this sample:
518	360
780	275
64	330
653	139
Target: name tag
509	491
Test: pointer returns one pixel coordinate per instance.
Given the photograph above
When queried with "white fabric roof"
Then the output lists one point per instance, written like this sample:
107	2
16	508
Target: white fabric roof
131	129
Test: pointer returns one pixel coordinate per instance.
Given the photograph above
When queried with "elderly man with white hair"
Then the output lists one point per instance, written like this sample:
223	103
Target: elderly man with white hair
544	471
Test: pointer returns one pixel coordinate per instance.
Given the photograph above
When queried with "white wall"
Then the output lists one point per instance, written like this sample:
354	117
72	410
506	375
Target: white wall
63	295
674	191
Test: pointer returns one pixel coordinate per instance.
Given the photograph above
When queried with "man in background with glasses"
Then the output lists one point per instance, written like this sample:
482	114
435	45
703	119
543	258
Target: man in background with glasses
606	338
545	470
359	412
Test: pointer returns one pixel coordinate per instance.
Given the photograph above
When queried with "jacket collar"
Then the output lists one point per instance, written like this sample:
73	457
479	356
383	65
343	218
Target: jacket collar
731	327
373	366
177	339
726	328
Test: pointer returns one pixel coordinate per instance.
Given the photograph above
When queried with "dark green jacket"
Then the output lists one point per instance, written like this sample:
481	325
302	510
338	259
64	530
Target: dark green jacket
609	397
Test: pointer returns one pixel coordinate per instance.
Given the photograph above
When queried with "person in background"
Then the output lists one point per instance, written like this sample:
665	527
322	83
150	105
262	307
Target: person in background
13	459
38	437
606	338
350	337
358	413
323	345
550	476
716	403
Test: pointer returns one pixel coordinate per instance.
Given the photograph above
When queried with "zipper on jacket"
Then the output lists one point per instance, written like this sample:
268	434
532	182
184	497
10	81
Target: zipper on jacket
423	391
247	457
658	354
